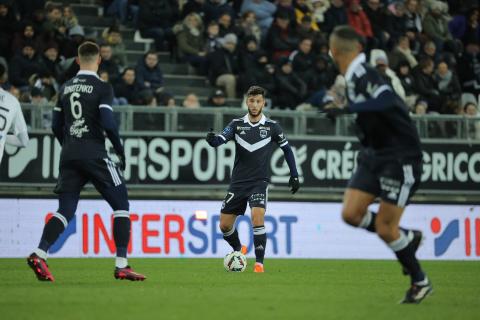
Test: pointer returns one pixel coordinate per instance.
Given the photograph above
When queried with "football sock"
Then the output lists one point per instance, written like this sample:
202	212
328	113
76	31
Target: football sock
52	231
231	237
121	235
260	242
368	221
405	253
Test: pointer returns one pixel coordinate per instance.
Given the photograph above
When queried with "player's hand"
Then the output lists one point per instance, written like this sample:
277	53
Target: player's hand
121	162
294	184
332	110
210	136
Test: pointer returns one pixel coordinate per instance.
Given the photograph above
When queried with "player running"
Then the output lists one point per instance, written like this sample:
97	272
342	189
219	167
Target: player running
11	117
389	163
80	120
254	135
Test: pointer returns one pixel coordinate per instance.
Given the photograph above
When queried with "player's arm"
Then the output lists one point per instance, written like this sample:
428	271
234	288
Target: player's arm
19	138
109	124
282	142
227	134
58	119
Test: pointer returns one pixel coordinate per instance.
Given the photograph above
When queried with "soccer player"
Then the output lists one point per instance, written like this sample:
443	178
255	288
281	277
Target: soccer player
254	136
11	117
81	119
390	160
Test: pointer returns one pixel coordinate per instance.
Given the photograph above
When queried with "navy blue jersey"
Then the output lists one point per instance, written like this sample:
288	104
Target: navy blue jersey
79	103
253	147
388	130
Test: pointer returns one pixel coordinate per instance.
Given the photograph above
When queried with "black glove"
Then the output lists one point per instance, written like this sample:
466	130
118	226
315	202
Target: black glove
333	112
210	136
121	161
294	184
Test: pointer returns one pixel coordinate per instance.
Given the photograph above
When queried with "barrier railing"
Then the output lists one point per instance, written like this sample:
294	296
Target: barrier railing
297	123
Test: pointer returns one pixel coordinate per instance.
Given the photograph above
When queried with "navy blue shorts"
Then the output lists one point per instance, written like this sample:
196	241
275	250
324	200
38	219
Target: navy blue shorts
74	174
394	180
238	195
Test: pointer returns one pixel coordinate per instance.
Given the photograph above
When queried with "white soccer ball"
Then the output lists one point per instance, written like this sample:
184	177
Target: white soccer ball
235	262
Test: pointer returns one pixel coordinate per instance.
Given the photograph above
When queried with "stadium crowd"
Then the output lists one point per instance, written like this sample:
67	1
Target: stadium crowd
428	50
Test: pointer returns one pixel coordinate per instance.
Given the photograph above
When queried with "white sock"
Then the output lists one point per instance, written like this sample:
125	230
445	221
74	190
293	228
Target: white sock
42	254
121	262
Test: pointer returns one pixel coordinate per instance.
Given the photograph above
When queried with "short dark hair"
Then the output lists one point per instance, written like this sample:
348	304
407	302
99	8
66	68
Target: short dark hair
256	90
88	51
2	70
347	39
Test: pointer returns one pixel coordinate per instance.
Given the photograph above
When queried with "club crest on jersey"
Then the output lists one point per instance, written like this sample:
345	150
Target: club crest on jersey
78	128
263	134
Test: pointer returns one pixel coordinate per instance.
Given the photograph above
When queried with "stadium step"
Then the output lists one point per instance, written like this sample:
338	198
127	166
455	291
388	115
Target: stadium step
185	80
81	9
203	101
174	68
185	90
134	55
134	46
96	21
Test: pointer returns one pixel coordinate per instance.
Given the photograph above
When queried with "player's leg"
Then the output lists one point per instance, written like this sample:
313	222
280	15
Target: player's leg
233	205
107	179
259	237
355	208
70	182
402	244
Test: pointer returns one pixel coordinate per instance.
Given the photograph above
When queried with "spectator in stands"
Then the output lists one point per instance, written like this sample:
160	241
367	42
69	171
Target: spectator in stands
126	87
69	46
305	30
435	25
215	8
319	9
226	25
325	72
469	69
359	20
191	43
27	33
23	65
286	8
156	20
304	8
303	62
425	85
473	130
3	77
27	8
281	37
217	98
291	90
249	26
54	26
264	11
413	19
223	65
70	20
148	73
191	101
379	60
448	83
107	63
472	30
407	81
258	71
124	10
421	107
50	61
46	83
113	37
429	50
379	20
248	54
8	23
165	99
396	26
335	15
213	39
194	6
401	53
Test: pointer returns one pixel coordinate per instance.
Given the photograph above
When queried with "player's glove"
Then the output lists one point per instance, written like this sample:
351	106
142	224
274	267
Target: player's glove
333	111
210	136
294	184
121	162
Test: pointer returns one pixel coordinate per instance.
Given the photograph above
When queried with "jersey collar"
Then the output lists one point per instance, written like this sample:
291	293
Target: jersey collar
87	73
262	121
354	65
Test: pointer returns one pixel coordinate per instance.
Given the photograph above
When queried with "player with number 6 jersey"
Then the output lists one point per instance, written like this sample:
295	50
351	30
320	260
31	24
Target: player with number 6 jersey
81	119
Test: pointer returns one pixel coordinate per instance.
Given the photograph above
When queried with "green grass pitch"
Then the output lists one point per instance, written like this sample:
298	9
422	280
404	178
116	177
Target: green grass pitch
201	289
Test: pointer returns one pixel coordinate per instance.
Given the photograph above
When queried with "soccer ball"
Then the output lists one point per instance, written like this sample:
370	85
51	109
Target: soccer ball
235	262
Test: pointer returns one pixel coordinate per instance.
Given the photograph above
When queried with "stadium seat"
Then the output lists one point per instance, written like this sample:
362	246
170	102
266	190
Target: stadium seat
139	39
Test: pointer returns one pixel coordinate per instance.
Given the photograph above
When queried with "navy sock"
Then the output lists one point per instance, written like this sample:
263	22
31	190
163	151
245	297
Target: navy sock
121	231
52	231
260	242
368	222
405	253
232	238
